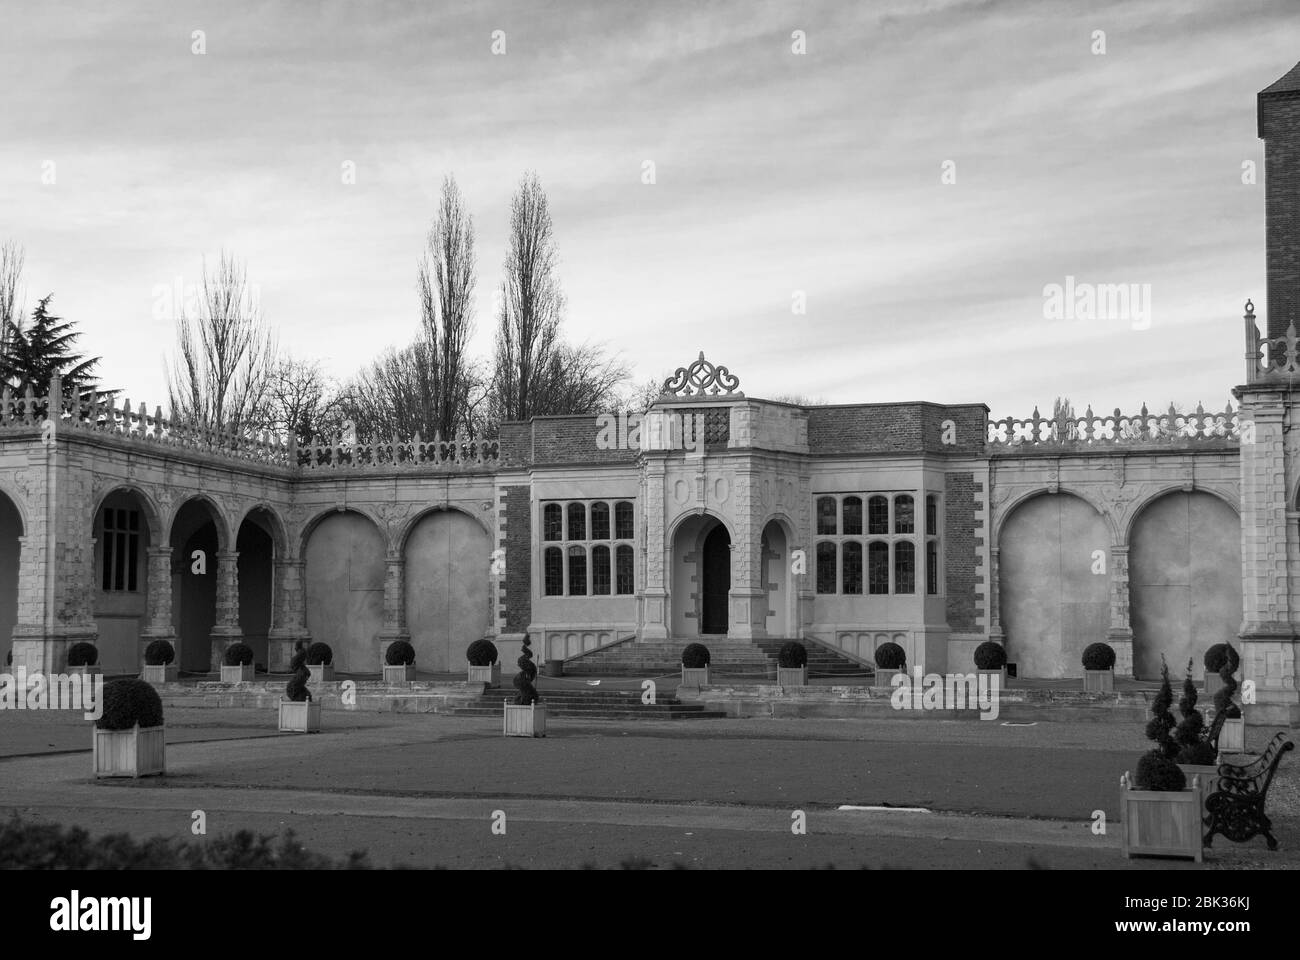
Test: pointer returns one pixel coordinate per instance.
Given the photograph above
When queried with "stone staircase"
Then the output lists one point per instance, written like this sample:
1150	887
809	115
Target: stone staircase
730	660
592	705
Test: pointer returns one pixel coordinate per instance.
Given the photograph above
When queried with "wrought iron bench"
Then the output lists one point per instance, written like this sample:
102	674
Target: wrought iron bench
1236	808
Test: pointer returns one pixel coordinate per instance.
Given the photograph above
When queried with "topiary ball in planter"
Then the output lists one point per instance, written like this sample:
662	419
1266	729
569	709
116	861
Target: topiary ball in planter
1096	656
82	654
159	654
399	654
990	656
319	654
792	655
1156	772
1219	654
238	655
890	656
130	702
695	655
481	653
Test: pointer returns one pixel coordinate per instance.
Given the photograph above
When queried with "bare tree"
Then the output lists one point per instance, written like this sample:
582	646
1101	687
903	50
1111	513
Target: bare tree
302	401
12	259
446	283
394	395
530	308
221	376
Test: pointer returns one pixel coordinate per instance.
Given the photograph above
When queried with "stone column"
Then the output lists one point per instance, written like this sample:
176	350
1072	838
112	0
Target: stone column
289	614
748	599
1268	629
1120	634
225	630
159	625
654	600
394	628
995	599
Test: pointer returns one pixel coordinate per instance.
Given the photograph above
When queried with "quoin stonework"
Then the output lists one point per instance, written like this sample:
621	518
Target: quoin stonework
929	525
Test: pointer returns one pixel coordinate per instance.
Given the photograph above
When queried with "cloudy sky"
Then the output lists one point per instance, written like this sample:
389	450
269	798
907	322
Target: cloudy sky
775	173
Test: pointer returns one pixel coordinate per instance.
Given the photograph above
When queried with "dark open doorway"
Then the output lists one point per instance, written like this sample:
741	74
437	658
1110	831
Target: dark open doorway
716	581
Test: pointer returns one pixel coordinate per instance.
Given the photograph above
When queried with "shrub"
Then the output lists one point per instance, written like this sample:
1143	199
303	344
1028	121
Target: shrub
696	655
1156	772
1194	747
399	654
792	655
1161	724
320	654
296	689
159	653
527	674
1098	656
128	702
890	656
83	654
238	654
1218	655
990	656
481	653
1223	705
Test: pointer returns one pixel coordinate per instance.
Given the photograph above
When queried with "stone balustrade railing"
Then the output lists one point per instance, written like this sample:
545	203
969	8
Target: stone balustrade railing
1270	358
1117	428
100	414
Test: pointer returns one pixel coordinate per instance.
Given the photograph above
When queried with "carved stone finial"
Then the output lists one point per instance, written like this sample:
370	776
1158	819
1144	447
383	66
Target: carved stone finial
1250	310
702	377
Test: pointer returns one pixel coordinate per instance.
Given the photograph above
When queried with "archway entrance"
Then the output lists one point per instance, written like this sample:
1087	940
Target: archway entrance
11	528
120	600
716	581
256	546
194	544
776	579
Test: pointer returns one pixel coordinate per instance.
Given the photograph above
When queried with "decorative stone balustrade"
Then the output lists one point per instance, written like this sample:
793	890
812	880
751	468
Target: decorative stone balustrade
1116	429
1282	362
100	414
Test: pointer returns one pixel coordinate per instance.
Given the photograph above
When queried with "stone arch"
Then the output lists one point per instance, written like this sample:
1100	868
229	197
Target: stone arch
199	537
345	554
1184	578
153	515
447	557
685	541
122	580
217	512
1003	512
777	581
407	528
1052	602
12	526
309	526
683	517
1140	505
259	542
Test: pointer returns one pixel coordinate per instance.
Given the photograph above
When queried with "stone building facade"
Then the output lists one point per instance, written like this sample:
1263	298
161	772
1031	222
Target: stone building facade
712	514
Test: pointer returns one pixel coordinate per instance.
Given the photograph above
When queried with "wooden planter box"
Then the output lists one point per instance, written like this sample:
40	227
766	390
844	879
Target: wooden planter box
138	752
1099	681
238	674
86	671
1160	823
320	672
1205	774
300	716
1232	738
792	676
525	721
1212	683
488	675
885	678
695	676
161	674
404	673
1000	674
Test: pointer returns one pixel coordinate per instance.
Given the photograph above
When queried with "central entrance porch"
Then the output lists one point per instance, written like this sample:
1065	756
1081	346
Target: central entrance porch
701	586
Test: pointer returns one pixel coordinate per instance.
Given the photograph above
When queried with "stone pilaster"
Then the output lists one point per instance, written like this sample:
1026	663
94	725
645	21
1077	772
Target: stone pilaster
748	598
654	598
394	628
289	613
995	597
225	630
1120	634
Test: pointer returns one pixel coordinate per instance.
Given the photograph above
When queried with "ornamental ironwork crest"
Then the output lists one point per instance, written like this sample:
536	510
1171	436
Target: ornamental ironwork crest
701	378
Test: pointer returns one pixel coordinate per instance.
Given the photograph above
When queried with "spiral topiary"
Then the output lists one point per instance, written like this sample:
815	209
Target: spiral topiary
160	653
1159	728
990	656
128	702
1193	748
399	654
696	655
1098	656
319	654
1223	704
890	656
296	689
527	674
792	655
83	654
1218	655
238	654
481	653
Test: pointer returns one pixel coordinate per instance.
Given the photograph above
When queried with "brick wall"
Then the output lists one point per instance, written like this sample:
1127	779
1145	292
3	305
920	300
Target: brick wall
960	544
563	440
896	428
517	589
1279	125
